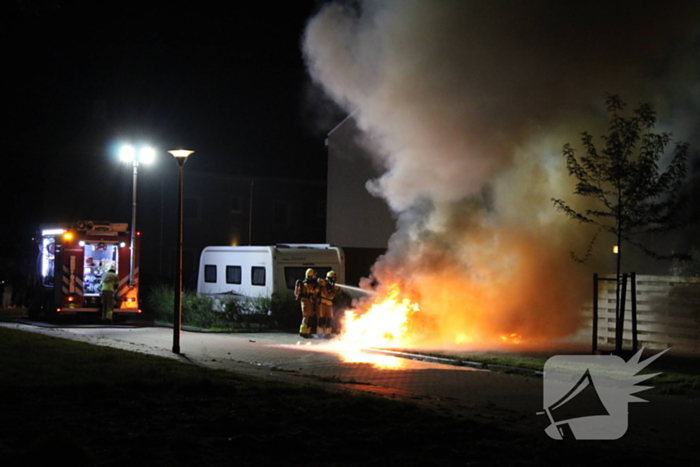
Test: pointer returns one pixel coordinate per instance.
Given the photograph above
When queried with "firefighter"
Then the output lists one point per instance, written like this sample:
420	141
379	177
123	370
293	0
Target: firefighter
328	292
307	291
109	284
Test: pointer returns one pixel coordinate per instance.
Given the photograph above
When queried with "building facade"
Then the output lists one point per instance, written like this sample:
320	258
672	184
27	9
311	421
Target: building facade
357	221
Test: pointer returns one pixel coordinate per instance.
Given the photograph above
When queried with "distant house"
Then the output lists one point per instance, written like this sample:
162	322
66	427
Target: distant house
357	221
221	209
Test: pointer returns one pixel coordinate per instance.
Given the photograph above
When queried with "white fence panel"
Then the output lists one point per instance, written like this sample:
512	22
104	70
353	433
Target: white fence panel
668	312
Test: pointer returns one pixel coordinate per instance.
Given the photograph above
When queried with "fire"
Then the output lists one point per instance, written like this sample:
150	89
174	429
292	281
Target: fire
392	320
383	324
463	339
379	361
512	338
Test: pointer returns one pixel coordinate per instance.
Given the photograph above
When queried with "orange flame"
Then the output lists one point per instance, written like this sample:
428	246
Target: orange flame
512	338
395	321
385	323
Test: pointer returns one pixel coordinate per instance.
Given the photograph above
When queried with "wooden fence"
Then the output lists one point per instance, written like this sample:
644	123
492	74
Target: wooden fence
668	313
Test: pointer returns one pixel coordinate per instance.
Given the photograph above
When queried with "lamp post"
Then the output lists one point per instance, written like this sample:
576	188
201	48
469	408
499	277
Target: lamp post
145	155
181	156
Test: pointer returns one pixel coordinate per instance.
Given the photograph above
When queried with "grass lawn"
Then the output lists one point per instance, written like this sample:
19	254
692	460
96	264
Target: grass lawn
68	402
679	374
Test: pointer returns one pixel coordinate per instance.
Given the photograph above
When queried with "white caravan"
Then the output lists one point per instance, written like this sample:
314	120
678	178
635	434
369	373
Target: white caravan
261	271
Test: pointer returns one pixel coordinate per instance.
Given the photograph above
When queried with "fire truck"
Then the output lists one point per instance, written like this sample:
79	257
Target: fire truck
72	260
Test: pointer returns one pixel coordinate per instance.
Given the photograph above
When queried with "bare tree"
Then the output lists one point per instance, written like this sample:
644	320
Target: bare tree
629	195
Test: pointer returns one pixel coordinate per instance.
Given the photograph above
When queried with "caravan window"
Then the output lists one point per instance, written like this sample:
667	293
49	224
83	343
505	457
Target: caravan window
257	275
233	274
210	273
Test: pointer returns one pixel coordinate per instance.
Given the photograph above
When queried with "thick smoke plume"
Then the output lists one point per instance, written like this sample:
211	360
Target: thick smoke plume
467	104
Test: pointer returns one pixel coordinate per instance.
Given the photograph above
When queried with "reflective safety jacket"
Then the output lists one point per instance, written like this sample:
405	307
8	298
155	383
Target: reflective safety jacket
328	292
110	281
306	290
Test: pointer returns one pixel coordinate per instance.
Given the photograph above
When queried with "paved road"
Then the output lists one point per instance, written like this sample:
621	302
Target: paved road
511	401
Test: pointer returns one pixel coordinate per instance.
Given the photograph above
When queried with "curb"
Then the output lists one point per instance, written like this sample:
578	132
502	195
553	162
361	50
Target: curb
454	362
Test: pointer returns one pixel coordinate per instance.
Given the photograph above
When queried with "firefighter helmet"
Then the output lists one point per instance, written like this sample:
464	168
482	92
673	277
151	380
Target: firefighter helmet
330	275
310	273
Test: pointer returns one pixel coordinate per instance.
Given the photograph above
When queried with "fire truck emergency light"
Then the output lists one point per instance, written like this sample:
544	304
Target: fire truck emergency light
68	236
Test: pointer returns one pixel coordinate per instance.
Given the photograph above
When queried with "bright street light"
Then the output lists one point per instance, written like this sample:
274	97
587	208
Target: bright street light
181	156
145	155
127	153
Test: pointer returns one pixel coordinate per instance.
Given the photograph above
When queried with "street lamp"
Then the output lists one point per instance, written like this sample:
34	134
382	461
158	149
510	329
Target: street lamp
145	155
181	156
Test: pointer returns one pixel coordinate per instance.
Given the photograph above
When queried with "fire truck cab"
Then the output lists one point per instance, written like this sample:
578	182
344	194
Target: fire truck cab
72	260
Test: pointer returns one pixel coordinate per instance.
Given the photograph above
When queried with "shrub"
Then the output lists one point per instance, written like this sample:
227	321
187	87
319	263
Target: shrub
196	311
199	311
232	309
161	301
286	312
243	312
231	313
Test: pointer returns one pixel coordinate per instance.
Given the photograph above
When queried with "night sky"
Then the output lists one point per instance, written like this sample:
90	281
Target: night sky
224	79
227	79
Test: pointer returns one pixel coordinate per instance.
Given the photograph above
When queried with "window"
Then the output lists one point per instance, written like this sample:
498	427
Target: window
210	273
257	275
292	275
233	274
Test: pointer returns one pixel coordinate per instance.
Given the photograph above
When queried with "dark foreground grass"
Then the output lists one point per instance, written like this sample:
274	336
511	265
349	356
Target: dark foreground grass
68	402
